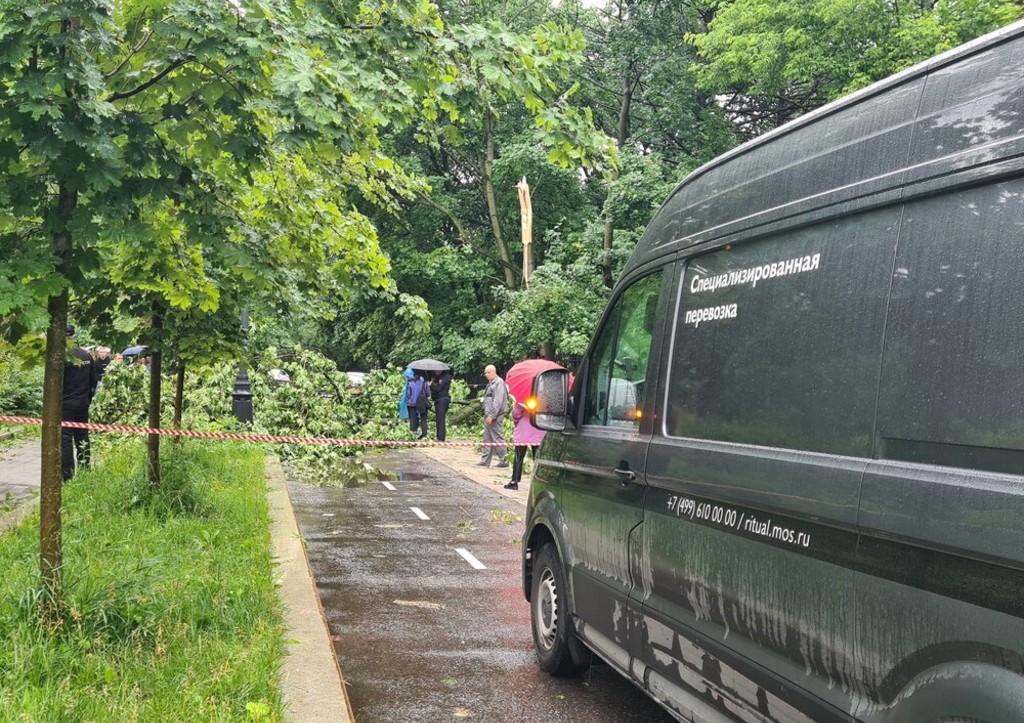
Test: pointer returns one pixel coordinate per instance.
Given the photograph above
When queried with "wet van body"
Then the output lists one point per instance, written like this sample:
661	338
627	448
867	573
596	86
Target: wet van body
787	484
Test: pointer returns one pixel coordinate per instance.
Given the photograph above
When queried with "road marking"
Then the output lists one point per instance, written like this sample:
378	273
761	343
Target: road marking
473	562
390	486
419	513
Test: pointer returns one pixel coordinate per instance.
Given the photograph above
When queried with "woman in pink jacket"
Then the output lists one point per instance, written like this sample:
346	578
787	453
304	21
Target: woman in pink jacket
524	435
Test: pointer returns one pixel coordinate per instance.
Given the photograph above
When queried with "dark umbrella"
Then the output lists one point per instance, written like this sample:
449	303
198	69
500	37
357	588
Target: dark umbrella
133	350
428	365
520	377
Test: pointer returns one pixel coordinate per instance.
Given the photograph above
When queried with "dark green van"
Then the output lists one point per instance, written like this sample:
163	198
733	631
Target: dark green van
788	483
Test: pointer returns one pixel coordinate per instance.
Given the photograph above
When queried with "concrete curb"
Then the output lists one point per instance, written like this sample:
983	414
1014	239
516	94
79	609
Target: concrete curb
17	515
311	683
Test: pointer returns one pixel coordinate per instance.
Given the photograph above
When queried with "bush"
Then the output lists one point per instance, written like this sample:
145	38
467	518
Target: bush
21	388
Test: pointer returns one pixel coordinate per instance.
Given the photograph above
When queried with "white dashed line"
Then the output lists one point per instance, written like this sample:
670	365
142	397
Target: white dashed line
390	486
474	563
419	513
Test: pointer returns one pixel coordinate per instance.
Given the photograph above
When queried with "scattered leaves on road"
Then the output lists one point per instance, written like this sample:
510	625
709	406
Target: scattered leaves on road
425	604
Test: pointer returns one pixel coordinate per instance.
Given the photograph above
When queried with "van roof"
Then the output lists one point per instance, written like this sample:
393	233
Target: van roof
858	151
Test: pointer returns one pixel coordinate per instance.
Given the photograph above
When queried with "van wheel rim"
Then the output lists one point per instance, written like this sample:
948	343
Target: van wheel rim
546	618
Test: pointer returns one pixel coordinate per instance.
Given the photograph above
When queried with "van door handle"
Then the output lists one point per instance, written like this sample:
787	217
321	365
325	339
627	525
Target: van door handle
626	475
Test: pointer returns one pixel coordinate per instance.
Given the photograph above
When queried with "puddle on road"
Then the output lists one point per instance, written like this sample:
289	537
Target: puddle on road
350	473
402	476
360	472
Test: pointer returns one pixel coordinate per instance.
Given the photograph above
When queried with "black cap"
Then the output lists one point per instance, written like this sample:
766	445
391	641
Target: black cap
70	330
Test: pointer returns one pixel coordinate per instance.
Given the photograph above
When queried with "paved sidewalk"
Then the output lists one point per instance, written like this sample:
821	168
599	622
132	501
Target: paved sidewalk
19	482
464	461
19	470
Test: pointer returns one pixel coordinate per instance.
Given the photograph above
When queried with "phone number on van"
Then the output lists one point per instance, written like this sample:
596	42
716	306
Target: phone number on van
715	514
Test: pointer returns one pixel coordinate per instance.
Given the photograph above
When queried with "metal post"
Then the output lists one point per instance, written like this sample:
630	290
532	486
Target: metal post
241	398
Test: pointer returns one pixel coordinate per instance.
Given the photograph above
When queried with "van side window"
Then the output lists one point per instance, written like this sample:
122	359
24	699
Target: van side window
778	340
952	392
618	365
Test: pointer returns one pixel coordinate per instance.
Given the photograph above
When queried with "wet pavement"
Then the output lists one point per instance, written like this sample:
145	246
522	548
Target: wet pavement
419	577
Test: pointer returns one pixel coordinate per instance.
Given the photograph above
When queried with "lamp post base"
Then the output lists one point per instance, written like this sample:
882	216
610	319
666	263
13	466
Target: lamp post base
241	398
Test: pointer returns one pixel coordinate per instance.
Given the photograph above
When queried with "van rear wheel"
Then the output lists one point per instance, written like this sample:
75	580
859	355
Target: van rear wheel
559	651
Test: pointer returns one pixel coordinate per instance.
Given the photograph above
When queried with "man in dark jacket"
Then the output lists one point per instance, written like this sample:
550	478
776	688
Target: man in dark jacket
81	374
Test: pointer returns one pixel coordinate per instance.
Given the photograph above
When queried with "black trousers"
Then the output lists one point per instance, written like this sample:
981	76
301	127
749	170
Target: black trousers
520	457
417	420
440	410
74	443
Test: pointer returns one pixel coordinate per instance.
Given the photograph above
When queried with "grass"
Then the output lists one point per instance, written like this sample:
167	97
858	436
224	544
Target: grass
171	611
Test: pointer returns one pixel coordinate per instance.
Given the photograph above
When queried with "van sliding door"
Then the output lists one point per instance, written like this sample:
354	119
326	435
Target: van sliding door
749	532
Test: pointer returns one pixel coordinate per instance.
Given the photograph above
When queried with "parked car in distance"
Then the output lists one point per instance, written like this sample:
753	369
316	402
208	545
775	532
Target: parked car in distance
356	379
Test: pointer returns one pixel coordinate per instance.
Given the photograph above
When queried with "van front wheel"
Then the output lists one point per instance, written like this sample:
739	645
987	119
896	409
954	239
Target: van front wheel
559	651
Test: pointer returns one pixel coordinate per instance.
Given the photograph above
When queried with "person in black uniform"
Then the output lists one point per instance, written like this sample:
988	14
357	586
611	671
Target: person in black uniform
81	374
440	384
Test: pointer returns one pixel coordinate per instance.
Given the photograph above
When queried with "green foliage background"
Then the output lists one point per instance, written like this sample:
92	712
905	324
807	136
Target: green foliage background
318	401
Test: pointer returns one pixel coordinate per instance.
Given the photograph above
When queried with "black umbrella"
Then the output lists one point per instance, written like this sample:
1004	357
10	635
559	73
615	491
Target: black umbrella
428	365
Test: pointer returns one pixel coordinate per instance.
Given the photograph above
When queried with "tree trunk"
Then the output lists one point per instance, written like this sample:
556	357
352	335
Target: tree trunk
155	364
50	481
179	398
492	207
623	135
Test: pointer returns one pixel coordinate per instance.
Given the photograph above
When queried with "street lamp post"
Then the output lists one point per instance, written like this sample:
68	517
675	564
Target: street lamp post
241	397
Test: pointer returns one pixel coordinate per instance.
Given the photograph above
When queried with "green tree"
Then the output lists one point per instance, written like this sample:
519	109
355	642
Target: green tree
774	61
636	78
493	75
131	132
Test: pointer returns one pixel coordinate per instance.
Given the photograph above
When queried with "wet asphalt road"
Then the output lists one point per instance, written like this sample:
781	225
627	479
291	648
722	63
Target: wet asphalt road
420	633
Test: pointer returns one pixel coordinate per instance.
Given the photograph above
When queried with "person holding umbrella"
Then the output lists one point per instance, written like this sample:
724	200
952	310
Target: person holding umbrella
524	435
440	385
417	392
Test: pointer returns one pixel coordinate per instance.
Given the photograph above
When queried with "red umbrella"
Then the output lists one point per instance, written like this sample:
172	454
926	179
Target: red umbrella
520	377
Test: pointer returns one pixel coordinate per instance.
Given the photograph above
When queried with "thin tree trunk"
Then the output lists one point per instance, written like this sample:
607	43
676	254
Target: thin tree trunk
492	207
50	480
623	135
155	364
179	398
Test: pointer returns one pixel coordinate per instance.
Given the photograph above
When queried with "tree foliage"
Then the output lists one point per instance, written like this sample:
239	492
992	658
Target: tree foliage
774	61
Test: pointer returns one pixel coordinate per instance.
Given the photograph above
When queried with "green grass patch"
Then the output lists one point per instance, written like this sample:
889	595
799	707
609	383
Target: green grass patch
171	610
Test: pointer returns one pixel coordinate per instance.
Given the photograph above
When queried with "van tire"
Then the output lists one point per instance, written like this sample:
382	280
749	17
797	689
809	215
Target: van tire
559	651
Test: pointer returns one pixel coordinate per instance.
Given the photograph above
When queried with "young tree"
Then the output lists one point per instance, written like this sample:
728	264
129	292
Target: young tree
141	123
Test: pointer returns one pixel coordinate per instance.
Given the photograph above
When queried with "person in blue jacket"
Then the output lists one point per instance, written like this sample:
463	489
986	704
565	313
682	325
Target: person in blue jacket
403	411
416	398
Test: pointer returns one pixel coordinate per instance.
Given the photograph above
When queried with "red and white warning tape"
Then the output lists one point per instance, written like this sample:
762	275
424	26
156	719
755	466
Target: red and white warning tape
251	437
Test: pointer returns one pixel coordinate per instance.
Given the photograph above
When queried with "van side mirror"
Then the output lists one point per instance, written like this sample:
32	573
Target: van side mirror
551	390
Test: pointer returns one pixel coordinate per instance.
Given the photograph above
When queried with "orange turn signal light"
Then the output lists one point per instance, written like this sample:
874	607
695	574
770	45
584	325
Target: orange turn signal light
531	403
